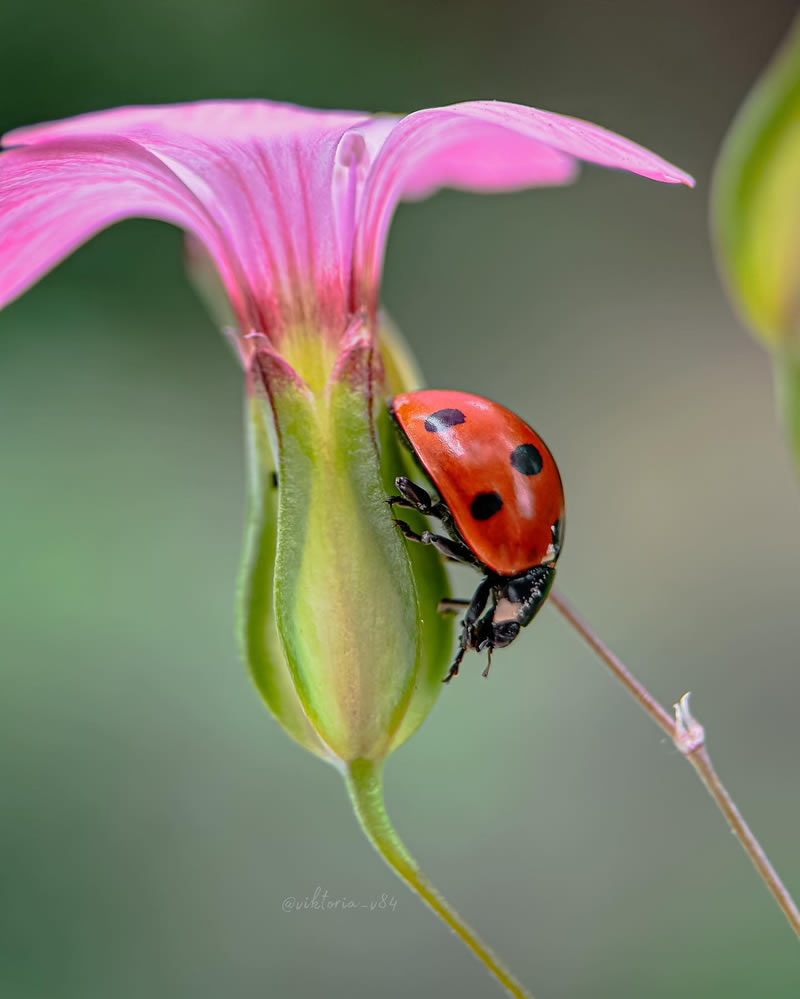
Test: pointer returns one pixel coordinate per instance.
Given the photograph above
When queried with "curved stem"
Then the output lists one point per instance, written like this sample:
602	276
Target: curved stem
639	693
701	761
688	736
365	784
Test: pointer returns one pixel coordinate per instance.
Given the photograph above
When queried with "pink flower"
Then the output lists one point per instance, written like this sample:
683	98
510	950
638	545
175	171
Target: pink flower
290	208
287	212
292	205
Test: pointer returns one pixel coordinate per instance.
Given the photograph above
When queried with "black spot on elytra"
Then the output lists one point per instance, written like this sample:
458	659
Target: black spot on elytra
485	505
526	459
442	419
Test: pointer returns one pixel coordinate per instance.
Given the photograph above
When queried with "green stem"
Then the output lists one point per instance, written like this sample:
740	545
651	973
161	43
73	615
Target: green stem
365	784
787	397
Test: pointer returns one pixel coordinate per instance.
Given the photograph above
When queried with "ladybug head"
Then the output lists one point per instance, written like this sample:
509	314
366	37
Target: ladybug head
504	633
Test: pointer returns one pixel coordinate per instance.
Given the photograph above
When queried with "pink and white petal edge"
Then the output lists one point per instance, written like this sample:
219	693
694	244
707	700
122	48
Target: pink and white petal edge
484	146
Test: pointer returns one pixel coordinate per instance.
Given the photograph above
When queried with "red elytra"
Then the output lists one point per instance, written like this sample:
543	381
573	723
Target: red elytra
493	472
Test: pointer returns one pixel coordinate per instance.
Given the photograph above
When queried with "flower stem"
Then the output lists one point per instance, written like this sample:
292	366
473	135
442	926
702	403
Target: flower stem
688	736
365	784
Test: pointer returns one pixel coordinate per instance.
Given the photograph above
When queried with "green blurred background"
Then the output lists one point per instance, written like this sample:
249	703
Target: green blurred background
152	816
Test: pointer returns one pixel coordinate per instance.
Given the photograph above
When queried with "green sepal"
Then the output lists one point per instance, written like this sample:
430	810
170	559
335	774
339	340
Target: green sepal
258	634
345	603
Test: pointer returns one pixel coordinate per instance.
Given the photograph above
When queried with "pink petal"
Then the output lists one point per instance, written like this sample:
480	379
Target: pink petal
293	205
280	191
55	196
482	146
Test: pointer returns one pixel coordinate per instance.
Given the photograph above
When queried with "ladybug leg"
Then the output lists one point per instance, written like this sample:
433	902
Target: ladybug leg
452	605
484	636
469	631
450	549
453	671
414	497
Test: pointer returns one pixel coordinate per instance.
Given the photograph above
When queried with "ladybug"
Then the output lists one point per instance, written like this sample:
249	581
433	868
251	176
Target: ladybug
500	503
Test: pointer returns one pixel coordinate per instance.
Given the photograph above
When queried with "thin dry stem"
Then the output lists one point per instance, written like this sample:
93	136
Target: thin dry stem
688	736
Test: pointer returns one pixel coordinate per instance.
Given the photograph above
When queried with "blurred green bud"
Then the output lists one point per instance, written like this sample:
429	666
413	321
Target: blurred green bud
756	221
756	203
337	616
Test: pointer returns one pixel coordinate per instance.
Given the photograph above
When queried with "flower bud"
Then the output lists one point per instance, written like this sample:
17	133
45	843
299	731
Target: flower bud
338	617
756	219
756	204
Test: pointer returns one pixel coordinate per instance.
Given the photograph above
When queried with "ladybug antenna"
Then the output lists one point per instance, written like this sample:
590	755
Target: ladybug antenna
488	661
